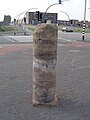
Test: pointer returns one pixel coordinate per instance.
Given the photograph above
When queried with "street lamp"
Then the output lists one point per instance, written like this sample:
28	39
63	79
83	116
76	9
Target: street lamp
26	13
59	2
51	6
18	16
84	24
66	14
24	18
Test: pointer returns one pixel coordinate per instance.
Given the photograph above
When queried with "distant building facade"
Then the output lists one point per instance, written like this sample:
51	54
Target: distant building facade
73	22
6	21
31	18
63	22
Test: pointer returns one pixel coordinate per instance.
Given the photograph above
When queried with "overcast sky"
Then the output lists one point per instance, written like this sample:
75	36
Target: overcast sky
74	8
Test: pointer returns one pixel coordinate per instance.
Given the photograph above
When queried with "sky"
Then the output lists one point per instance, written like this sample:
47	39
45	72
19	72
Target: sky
74	8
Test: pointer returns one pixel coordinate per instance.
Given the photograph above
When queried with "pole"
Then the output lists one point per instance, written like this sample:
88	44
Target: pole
47	10
84	24
59	2
26	13
66	14
23	19
51	6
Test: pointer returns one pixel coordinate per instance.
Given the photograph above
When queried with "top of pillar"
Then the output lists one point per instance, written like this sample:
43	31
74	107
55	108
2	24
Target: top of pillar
44	26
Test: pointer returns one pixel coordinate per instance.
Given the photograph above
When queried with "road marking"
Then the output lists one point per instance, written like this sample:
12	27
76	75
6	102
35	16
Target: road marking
78	67
66	39
79	46
21	38
75	51
9	39
69	40
61	45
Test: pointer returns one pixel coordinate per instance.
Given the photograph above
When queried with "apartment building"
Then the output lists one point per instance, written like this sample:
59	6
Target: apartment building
31	18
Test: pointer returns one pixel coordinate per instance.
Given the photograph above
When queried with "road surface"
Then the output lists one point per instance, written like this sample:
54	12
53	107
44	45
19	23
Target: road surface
15	39
67	36
62	37
73	83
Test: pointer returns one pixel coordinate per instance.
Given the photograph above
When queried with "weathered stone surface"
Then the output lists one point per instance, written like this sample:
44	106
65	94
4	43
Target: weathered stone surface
44	63
45	41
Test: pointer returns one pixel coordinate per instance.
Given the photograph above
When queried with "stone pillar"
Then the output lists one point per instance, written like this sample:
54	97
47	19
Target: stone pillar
44	64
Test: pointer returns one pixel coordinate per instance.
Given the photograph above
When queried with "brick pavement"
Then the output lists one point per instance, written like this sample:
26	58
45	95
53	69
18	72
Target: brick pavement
5	48
13	47
77	43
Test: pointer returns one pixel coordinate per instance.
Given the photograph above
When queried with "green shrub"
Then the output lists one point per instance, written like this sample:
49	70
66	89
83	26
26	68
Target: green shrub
7	28
31	29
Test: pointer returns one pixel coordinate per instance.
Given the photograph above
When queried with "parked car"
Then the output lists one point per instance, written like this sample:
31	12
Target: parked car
66	29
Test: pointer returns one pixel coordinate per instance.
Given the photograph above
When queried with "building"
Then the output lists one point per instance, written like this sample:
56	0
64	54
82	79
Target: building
6	21
87	23
71	22
74	22
63	22
31	18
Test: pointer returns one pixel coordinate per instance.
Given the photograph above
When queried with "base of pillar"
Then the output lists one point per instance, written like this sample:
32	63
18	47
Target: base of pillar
49	104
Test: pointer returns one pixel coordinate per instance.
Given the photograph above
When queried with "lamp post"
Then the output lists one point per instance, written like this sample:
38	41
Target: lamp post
25	19
51	6
59	2
26	13
84	24
66	14
19	16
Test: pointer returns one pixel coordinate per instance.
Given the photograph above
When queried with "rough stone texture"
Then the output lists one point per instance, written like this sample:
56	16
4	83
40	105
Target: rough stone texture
44	63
